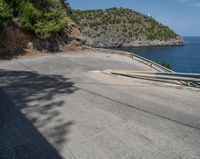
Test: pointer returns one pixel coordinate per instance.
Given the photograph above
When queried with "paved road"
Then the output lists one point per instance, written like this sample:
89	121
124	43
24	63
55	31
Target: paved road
61	106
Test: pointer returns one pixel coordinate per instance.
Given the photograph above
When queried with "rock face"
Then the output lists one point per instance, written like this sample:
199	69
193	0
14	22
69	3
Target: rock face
115	41
15	39
119	27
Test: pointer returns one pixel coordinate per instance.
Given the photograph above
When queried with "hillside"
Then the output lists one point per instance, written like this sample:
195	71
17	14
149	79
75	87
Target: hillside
117	27
37	25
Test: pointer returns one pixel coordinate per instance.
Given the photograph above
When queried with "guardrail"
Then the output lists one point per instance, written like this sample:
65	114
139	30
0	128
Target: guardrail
151	64
187	78
138	58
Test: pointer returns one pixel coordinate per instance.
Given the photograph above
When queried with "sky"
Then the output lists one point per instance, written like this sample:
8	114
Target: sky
183	16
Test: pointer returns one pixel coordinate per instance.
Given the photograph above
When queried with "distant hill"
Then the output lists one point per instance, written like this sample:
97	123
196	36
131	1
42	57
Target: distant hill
117	27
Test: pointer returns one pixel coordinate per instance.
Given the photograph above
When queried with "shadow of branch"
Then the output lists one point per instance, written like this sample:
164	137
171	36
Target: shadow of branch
31	124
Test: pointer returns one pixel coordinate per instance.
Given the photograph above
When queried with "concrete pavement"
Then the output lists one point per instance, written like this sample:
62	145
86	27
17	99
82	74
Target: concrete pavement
62	106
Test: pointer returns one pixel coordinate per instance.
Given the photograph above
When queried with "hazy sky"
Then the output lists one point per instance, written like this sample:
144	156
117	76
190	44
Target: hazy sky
183	16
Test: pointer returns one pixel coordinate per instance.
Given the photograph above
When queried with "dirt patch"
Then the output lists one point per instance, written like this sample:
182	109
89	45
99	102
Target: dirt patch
32	53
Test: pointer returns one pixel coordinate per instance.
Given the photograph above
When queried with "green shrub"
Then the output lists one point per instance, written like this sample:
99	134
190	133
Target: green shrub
43	22
165	64
44	18
53	21
5	14
28	16
5	11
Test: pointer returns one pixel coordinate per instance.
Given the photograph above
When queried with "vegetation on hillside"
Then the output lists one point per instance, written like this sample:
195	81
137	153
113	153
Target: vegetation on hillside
122	22
5	11
41	17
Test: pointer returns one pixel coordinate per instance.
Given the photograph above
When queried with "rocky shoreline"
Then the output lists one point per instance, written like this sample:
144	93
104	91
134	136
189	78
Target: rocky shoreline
118	42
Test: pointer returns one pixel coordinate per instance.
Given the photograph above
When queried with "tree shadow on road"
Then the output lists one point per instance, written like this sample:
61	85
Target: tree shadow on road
30	113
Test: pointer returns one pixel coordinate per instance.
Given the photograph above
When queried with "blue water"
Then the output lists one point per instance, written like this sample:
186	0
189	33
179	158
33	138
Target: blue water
182	59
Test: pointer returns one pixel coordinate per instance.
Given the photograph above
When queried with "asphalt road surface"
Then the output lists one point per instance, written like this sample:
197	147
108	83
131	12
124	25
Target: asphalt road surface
62	106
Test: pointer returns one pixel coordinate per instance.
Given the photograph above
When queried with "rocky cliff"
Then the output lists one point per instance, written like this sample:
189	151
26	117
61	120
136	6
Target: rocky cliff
16	38
40	25
119	27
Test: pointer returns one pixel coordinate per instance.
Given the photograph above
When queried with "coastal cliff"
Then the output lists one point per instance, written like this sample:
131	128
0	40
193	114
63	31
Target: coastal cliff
52	25
119	27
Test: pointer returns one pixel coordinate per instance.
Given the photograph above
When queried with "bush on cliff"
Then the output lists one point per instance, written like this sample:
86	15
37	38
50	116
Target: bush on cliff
5	11
5	14
43	22
165	64
41	17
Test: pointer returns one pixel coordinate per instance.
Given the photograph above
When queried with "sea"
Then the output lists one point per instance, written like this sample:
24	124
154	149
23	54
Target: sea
184	59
